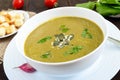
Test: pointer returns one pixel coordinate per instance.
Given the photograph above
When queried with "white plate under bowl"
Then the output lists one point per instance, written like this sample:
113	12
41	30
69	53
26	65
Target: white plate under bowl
104	69
26	17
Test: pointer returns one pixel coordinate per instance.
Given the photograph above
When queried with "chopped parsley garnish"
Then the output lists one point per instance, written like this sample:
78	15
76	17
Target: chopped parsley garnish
46	55
63	28
86	34
43	40
73	50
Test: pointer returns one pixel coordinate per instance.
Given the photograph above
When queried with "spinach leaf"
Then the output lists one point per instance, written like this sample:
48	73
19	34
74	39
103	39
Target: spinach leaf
116	6
103	7
89	5
106	10
109	1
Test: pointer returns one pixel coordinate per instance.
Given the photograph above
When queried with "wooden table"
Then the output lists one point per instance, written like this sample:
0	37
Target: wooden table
38	6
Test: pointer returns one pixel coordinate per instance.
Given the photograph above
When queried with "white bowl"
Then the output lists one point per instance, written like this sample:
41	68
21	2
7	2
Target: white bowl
69	67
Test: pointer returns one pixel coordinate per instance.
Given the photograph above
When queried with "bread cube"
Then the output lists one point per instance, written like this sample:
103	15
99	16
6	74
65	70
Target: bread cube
2	19
10	29
3	12
18	23
2	31
5	25
19	16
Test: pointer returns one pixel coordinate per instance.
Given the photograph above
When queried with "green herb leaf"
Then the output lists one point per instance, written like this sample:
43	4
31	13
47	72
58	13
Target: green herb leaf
116	6
109	2
89	5
106	10
73	50
43	40
103	7
89	36
76	49
86	34
63	28
46	55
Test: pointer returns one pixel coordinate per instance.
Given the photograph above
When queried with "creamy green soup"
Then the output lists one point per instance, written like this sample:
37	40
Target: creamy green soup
63	39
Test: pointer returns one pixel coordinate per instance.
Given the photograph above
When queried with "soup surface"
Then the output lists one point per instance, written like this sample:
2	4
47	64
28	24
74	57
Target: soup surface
62	39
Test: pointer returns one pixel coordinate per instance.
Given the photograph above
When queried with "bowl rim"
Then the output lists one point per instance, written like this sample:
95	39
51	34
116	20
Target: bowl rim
74	60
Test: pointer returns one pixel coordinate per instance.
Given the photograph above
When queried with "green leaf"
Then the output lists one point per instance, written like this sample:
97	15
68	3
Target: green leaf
63	28
106	10
76	49
89	36
43	40
73	50
89	5
116	6
109	1
86	34
46	55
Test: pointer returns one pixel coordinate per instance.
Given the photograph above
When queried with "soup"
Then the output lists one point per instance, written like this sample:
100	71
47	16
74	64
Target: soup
63	39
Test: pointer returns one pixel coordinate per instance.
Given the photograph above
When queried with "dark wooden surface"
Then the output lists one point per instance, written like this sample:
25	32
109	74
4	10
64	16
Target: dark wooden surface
38	6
